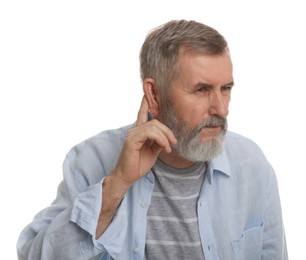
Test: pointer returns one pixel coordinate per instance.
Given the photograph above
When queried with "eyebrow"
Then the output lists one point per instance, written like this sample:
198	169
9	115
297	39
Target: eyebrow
209	86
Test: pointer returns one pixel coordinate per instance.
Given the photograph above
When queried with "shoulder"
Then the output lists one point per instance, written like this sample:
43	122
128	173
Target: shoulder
240	144
112	137
237	138
112	133
245	156
244	151
96	156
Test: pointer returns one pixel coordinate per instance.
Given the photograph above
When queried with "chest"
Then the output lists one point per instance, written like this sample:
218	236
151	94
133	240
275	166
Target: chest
172	221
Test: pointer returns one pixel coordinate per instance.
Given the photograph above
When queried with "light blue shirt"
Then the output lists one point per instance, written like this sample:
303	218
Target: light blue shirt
238	209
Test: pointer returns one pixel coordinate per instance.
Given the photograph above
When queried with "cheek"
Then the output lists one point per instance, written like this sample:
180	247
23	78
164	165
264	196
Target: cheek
193	113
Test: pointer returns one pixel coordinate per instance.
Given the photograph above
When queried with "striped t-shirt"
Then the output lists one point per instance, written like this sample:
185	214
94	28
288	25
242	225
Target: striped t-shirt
172	228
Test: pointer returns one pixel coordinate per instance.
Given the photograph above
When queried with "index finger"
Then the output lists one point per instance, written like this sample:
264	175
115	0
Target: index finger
143	112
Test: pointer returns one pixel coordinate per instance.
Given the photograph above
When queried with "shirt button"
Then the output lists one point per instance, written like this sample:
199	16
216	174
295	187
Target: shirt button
143	204
136	250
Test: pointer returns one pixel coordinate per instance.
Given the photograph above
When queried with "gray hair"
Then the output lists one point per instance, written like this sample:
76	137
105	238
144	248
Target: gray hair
160	51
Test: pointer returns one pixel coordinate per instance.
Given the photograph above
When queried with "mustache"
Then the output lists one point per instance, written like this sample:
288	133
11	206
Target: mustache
213	122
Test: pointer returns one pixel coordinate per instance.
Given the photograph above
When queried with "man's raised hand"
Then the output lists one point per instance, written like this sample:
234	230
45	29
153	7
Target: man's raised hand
142	146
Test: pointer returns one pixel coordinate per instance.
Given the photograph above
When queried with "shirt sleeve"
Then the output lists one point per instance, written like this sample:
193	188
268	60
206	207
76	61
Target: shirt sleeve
66	229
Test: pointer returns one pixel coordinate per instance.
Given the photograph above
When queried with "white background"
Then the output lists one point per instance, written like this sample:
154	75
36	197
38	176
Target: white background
69	69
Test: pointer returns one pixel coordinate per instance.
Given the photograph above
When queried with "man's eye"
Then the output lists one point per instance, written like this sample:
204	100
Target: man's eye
203	89
226	88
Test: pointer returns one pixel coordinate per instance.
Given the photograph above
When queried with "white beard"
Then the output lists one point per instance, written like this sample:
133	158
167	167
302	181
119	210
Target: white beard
189	144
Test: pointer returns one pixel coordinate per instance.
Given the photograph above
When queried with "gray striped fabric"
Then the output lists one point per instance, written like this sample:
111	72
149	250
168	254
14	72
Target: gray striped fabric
172	230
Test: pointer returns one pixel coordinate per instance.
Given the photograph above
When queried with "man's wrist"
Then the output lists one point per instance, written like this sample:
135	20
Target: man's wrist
118	186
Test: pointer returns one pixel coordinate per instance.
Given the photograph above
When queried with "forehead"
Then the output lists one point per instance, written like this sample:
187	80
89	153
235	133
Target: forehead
198	67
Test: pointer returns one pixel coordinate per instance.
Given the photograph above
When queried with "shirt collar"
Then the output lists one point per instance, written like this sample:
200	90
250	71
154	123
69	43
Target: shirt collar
219	164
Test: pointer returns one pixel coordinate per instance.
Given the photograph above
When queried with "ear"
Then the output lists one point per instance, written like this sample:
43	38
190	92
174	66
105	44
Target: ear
152	95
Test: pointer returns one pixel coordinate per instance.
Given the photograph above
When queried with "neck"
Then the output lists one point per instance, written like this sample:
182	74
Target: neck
174	160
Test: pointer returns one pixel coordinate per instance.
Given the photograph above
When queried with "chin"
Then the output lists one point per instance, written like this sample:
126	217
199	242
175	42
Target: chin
207	139
209	135
198	149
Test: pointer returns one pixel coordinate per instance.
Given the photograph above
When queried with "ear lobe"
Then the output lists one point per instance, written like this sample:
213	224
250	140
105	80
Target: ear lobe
151	93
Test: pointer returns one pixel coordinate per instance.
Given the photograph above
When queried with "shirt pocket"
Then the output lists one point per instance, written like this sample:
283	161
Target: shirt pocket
249	245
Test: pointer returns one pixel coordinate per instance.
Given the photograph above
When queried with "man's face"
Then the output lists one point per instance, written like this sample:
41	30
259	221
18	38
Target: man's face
198	105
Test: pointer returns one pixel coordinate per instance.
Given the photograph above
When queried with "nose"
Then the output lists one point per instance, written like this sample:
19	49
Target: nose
219	104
